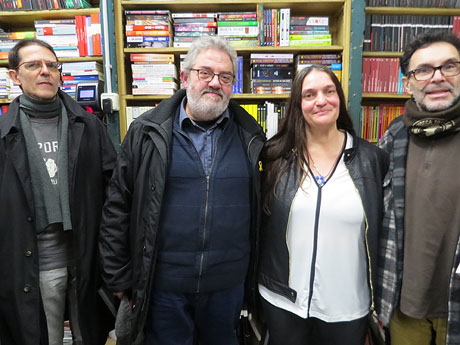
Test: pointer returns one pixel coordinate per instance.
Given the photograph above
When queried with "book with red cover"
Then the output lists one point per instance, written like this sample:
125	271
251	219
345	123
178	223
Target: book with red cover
96	34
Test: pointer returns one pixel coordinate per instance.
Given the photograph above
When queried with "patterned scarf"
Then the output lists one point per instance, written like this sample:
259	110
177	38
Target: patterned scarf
431	124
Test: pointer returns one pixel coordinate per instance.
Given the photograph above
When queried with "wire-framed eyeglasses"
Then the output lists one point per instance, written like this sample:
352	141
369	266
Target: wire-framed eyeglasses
206	75
449	69
36	65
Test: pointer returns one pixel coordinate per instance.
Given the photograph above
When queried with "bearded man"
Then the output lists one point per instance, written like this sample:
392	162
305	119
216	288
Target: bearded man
181	219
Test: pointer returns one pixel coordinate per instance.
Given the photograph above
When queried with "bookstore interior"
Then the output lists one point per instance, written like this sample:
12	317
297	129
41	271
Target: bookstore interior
121	58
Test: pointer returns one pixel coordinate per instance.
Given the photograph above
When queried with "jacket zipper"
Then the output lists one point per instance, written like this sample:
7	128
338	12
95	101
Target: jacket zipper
205	217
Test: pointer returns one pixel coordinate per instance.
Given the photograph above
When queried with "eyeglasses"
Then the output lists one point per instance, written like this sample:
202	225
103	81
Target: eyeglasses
449	69
36	65
205	75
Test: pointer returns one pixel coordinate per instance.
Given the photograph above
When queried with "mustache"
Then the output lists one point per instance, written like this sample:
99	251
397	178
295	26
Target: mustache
446	86
210	89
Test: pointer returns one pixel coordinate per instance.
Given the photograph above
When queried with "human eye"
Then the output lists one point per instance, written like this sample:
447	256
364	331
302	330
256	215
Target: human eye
450	66
332	91
308	95
204	73
424	70
226	78
53	65
33	65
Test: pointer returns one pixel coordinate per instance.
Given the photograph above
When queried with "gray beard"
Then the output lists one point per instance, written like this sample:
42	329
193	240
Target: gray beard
205	111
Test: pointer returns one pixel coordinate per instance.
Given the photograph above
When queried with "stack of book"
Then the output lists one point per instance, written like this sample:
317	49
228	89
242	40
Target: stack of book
153	74
271	73
61	34
16	5
9	39
74	73
241	29
148	29
309	31
333	61
189	26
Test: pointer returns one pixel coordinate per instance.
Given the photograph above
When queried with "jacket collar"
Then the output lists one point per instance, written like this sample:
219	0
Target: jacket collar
10	121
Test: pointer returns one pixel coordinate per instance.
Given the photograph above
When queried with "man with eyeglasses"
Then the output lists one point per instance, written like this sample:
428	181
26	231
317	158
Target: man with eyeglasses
55	163
418	292
180	223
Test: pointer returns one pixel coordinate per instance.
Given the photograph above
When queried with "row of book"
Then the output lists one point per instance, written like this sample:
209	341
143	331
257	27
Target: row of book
21	5
414	3
156	73
68	37
73	73
267	114
393	32
72	37
264	27
382	75
376	119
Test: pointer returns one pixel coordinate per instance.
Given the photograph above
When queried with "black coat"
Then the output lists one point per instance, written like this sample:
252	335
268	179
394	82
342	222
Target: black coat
132	212
91	162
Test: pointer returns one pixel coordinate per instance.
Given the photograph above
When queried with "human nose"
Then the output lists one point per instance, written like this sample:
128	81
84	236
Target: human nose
214	80
437	75
320	99
44	69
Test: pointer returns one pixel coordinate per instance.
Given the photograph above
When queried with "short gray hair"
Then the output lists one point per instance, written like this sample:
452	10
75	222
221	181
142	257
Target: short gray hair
209	42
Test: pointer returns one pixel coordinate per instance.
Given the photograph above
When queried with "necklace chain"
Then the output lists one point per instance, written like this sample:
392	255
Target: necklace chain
320	178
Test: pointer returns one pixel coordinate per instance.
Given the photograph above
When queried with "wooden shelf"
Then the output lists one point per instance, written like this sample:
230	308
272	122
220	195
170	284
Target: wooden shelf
25	19
413	11
318	7
385	96
239	96
4	63
382	54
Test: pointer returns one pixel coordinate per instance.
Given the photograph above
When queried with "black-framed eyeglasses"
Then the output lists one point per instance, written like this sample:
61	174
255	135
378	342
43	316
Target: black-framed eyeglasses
449	69
206	75
36	65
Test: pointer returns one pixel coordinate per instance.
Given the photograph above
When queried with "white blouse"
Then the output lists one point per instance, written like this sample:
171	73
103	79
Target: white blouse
340	283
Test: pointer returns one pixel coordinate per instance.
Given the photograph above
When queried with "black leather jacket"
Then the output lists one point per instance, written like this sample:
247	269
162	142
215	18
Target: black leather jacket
367	165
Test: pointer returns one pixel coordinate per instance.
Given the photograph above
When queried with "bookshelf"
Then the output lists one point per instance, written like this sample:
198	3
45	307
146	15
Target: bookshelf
379	99
338	11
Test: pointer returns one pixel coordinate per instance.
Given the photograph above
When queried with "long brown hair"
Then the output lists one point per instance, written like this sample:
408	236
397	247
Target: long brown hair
290	143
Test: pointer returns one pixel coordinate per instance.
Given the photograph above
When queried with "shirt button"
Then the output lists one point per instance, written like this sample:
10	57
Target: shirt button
29	219
26	288
28	253
153	187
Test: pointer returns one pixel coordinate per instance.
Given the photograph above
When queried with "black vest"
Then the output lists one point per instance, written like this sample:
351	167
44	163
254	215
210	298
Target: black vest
205	220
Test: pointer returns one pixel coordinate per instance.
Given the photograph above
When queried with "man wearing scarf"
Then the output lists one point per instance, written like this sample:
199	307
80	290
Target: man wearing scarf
418	292
55	162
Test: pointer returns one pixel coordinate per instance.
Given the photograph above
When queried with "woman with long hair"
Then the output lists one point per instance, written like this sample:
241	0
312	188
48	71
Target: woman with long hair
322	213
